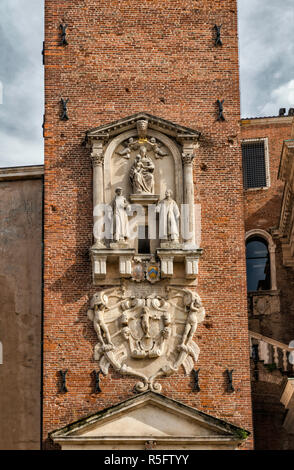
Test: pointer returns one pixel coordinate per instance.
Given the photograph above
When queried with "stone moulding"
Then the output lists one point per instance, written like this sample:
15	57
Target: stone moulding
165	422
148	336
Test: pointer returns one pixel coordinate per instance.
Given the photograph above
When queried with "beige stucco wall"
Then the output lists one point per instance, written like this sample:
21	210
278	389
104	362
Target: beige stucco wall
20	308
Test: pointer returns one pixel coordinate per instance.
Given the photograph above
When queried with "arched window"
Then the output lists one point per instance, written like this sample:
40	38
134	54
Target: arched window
258	264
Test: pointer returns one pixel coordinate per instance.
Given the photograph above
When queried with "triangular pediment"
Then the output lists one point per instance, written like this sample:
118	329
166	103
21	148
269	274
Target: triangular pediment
151	416
112	129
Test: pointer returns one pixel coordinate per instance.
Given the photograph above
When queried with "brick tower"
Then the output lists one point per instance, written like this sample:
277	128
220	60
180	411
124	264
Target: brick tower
163	74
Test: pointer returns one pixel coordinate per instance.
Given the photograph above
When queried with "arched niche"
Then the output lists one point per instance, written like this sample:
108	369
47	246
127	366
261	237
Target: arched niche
168	173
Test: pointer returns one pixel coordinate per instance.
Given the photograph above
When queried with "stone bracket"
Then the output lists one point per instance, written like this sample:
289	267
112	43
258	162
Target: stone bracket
101	257
167	265
125	266
191	266
189	257
98	267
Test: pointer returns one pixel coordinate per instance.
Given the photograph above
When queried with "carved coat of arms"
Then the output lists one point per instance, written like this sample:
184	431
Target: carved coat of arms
146	337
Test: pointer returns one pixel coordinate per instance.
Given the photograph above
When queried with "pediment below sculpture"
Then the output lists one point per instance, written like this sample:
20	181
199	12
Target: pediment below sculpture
150	417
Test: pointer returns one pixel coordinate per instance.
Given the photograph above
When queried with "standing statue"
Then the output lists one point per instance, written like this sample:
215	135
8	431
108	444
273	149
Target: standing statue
169	216
141	174
121	223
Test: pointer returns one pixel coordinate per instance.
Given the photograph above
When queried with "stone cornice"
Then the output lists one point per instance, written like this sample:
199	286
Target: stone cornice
21	173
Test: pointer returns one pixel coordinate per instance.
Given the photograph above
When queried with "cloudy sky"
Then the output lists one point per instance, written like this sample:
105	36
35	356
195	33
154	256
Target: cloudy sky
266	65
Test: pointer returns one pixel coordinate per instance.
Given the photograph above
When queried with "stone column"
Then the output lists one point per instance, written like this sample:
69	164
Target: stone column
187	158
272	253
97	157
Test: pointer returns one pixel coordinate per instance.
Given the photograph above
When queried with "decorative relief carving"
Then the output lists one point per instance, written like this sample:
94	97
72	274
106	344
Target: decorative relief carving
149	336
151	144
146	269
187	158
146	326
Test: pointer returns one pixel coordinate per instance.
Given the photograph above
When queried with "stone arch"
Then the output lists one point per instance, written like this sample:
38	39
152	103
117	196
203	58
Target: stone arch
177	169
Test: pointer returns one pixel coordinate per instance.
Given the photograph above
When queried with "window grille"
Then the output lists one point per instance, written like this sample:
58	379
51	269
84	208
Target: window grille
254	165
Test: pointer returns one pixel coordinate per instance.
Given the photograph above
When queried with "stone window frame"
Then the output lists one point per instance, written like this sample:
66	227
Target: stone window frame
272	252
266	161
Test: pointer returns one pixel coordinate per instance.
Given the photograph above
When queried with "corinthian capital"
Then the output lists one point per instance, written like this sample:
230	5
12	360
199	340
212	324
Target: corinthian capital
187	158
97	155
97	159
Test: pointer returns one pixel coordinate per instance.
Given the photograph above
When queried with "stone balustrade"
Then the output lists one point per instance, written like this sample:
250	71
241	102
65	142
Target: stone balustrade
271	352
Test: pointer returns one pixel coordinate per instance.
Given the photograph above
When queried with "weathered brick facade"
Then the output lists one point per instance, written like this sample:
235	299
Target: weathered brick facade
122	58
262	211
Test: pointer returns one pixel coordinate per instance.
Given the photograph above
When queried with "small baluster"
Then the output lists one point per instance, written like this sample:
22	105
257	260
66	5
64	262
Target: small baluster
285	360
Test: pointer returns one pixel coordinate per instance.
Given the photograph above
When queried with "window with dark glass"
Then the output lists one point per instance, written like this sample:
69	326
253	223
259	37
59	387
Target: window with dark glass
143	240
258	265
254	169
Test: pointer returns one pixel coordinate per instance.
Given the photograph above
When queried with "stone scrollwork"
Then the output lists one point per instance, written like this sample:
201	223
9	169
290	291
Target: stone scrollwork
146	337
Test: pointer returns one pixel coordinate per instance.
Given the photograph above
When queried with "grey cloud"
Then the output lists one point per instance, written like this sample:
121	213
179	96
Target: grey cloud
266	65
266	54
21	73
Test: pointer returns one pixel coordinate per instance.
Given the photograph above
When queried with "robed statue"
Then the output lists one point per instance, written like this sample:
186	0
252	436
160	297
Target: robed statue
120	206
169	216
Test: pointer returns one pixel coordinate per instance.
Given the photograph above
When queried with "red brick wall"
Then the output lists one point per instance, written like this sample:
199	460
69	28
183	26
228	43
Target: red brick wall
262	211
263	206
124	57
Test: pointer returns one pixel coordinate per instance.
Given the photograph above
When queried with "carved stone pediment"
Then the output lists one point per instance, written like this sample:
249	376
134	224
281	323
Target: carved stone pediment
170	128
146	336
150	418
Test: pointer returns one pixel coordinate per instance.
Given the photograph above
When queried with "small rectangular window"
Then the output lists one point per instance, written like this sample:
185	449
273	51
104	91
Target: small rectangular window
255	162
143	241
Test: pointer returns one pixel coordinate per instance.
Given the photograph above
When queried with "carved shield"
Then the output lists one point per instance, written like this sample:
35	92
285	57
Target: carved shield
138	272
147	337
153	273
